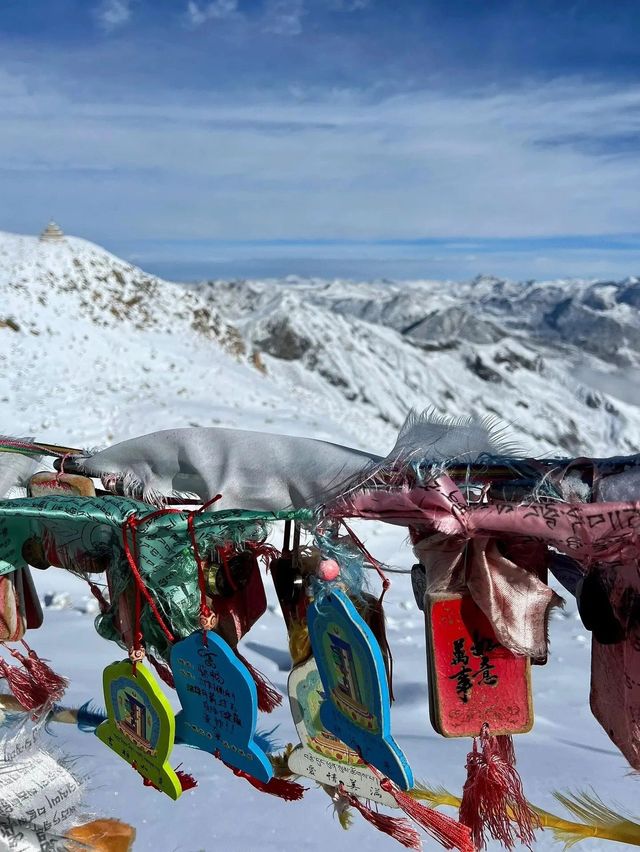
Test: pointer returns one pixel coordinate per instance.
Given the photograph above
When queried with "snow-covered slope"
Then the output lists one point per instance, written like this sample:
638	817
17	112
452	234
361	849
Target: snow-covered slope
93	350
82	331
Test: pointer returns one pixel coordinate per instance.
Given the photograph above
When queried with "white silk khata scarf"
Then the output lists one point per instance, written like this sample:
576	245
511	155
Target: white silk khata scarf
270	472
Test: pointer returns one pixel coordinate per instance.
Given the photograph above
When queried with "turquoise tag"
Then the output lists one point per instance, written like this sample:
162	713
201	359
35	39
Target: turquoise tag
357	707
219	703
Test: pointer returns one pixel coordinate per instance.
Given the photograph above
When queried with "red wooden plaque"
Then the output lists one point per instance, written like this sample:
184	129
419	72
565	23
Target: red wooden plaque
473	679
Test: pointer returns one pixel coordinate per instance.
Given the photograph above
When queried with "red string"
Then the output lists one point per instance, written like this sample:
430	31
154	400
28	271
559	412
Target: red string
132	523
137	632
208	503
130	526
95	591
62	462
386	583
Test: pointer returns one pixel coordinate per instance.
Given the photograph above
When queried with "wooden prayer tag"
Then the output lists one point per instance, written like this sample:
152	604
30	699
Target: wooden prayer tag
472	678
351	667
46	483
237	592
321	756
32	607
12	616
219	701
140	725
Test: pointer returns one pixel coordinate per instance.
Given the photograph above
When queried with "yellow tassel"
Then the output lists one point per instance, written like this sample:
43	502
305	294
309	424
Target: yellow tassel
345	818
280	763
436	796
341	807
299	643
599	820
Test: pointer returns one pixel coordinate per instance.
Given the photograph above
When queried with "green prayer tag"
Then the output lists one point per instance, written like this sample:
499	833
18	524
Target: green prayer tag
140	725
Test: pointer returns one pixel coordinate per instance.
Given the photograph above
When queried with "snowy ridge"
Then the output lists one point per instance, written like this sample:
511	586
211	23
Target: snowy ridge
94	350
349	359
74	275
537	356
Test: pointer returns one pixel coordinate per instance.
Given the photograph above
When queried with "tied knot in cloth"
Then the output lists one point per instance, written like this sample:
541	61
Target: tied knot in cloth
508	591
465	547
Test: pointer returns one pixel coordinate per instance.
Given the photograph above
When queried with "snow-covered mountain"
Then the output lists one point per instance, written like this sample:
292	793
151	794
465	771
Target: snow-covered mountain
88	338
540	356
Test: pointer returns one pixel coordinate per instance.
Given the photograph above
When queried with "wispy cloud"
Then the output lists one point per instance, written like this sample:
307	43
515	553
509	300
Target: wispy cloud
218	10
604	143
321	164
284	17
113	14
350	5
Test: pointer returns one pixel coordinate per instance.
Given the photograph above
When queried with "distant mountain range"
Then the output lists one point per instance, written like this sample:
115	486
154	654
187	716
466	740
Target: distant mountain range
93	349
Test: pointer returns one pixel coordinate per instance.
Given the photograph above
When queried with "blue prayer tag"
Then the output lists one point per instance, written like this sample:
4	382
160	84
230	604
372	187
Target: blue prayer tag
357	707
220	703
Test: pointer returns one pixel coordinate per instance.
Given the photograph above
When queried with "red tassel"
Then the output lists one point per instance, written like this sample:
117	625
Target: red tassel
164	672
53	684
187	782
268	696
264	550
493	799
506	749
30	694
446	830
290	791
400	829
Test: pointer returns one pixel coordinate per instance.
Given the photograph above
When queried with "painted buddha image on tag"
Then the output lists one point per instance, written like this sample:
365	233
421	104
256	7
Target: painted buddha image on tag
473	679
322	757
140	725
357	707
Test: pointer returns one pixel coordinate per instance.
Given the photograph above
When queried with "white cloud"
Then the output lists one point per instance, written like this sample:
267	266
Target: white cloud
350	5
284	17
420	164
112	14
217	10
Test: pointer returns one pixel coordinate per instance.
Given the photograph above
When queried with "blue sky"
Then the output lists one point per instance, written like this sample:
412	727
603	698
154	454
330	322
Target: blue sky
428	138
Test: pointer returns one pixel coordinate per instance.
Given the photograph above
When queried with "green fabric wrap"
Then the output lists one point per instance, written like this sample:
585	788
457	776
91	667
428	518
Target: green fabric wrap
75	533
